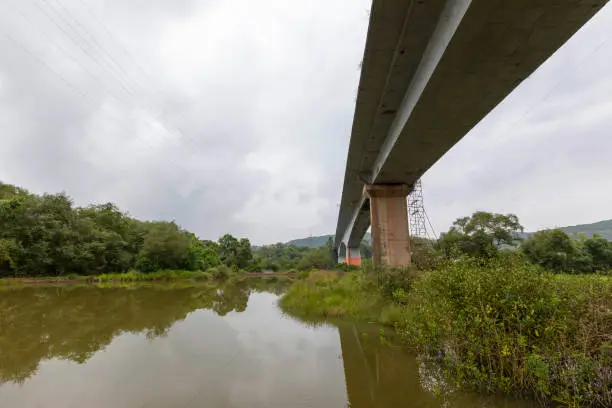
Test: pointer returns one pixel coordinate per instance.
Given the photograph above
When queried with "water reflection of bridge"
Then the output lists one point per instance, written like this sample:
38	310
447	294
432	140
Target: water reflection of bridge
378	375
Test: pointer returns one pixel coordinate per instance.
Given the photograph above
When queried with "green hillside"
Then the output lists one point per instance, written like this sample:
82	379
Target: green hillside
603	228
314	242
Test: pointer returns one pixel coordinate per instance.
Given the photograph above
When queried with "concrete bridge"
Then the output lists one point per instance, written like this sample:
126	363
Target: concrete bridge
432	69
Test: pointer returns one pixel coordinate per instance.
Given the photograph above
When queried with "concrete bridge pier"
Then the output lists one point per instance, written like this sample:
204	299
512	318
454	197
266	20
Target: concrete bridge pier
348	255
389	224
353	256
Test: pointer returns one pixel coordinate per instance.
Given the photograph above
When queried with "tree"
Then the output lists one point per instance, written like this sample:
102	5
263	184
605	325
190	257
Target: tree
600	251
482	234
244	253
46	236
552	249
165	246
424	255
209	254
228	249
366	250
8	191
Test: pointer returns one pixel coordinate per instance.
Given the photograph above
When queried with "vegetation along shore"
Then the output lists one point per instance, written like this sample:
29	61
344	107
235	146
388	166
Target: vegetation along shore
531	318
496	310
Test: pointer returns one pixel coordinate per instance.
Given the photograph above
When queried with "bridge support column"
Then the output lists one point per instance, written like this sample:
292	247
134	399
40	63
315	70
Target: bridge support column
353	256
389	220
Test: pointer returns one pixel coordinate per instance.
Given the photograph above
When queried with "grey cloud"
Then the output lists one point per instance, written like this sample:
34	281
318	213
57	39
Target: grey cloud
544	152
205	97
235	117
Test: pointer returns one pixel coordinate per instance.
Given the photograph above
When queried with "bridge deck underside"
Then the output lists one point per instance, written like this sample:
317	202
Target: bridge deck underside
495	46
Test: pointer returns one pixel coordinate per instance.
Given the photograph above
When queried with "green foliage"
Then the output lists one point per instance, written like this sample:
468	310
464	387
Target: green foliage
165	245
161	275
280	257
425	254
487	236
556	251
481	235
235	253
46	236
8	192
392	281
504	326
327	295
220	272
500	325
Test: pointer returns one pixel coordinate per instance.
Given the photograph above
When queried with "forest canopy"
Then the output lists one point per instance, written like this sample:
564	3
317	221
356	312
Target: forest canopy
47	235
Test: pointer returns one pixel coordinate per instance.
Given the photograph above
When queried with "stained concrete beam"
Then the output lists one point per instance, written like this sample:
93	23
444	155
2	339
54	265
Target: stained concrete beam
431	71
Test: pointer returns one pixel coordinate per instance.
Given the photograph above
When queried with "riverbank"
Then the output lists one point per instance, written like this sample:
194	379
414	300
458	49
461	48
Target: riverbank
501	327
133	276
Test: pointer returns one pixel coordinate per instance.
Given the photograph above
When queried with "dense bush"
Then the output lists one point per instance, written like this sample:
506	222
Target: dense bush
504	326
486	235
556	251
279	257
220	272
391	283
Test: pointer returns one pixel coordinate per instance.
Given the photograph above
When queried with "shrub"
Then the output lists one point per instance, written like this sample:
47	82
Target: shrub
505	326
346	267
202	276
326	294
219	272
390	281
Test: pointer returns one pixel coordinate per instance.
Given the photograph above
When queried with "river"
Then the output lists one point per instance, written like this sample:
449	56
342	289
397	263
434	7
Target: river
150	346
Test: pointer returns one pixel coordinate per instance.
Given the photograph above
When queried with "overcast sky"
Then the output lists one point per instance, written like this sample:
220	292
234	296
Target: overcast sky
235	116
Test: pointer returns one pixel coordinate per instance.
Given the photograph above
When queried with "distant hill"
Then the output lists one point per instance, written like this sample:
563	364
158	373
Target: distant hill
314	242
603	228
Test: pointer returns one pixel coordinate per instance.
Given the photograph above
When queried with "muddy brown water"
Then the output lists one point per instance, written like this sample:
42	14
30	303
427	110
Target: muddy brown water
201	346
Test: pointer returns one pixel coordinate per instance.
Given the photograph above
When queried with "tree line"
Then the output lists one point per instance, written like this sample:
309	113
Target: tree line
487	235
46	235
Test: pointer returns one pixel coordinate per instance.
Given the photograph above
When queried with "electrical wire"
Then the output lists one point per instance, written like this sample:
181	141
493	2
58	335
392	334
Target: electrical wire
105	66
74	88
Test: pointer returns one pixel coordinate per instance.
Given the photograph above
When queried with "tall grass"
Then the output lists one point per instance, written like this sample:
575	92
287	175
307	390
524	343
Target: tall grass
163	275
325	294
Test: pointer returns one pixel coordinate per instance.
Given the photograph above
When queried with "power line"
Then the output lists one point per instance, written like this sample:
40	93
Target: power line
553	88
92	37
113	37
70	85
154	111
44	34
45	65
122	82
78	43
118	75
